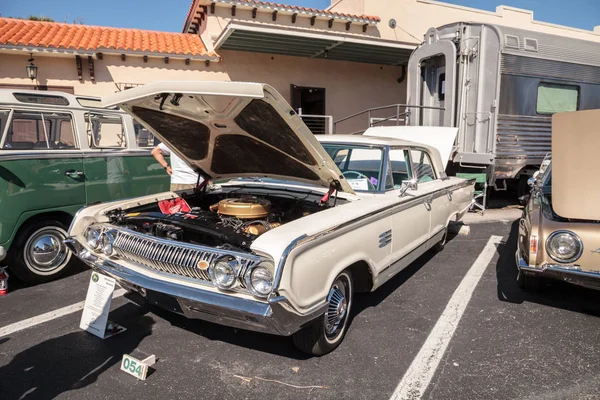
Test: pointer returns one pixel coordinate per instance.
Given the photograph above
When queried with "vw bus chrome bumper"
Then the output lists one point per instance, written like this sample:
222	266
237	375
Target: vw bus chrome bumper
275	316
568	273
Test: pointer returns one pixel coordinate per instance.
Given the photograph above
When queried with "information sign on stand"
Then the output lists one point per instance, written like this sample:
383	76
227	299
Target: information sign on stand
97	306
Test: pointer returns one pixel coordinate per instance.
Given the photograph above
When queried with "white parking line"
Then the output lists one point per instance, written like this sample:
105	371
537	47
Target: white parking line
416	379
49	316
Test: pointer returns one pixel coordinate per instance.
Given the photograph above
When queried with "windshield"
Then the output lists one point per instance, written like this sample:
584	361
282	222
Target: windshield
360	165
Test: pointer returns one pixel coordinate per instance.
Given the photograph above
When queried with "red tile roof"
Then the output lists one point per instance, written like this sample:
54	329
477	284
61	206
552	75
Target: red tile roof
333	14
53	35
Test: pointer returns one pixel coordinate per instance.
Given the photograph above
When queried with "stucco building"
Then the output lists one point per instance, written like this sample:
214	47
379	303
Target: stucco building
335	62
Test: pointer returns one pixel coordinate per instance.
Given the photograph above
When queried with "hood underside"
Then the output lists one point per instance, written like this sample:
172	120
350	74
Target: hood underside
575	164
229	130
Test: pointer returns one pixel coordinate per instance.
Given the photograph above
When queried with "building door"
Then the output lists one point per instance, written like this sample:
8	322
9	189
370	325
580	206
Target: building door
310	101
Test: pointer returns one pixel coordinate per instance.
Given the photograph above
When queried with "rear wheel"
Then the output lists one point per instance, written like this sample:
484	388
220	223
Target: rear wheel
326	333
39	254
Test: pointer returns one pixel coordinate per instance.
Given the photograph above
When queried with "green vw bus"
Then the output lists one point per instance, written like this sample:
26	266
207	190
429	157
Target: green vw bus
58	153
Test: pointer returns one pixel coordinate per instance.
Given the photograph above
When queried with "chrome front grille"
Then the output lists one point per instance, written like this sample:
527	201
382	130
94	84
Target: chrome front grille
170	257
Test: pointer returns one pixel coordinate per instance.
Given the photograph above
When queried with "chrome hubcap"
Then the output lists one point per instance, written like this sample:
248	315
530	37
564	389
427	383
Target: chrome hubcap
45	250
336	309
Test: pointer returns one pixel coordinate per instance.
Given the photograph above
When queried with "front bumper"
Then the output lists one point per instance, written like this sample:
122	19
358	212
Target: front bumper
276	316
567	273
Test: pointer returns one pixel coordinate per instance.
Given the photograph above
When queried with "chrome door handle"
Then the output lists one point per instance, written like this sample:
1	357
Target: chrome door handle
449	194
73	174
427	203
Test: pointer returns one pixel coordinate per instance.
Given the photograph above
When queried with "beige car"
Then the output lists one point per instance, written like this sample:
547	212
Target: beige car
559	233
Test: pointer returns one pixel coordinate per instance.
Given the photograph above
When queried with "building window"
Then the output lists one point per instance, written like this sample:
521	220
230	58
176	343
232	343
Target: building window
105	131
40	131
553	98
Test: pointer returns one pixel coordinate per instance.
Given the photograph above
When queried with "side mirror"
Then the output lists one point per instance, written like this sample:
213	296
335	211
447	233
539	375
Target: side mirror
408	185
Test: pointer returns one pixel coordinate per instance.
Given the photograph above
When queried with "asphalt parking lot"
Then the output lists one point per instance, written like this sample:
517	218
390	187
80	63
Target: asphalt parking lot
506	344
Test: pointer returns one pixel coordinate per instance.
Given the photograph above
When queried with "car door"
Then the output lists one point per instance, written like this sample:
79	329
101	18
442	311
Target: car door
410	219
438	197
40	168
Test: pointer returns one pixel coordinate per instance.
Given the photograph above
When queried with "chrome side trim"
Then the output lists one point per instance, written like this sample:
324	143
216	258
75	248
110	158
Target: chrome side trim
301	240
385	238
12	155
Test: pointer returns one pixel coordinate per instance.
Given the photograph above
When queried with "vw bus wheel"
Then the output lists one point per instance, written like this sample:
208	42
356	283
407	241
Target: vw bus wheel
326	333
41	255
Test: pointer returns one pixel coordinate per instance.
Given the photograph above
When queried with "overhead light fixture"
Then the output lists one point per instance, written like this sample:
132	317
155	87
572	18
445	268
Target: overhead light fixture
31	68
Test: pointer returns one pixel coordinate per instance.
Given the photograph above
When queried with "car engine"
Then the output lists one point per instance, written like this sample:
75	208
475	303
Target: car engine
216	220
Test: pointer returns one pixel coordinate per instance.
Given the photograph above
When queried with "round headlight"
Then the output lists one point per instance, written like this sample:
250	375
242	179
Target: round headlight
260	279
564	246
106	243
92	237
223	272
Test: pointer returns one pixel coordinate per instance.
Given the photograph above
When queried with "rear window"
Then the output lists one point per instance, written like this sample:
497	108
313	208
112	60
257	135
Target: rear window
553	98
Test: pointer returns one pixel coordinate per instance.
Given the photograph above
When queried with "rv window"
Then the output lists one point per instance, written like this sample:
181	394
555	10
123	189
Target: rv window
40	131
442	87
105	131
143	137
421	165
41	99
553	98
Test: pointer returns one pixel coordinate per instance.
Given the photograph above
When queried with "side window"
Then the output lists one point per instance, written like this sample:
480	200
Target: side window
29	130
399	169
553	98
143	137
105	131
421	165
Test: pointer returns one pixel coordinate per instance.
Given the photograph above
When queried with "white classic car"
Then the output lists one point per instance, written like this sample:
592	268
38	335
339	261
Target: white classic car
294	225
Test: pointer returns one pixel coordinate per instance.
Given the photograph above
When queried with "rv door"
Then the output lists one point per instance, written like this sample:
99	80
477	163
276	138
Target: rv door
432	82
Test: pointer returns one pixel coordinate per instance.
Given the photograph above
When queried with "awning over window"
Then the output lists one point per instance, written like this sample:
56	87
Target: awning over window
302	43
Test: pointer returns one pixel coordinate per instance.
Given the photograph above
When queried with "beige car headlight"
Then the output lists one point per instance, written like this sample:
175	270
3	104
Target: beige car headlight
564	246
260	279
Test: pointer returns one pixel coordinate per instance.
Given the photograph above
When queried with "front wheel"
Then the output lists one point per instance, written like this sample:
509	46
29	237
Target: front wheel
326	333
39	252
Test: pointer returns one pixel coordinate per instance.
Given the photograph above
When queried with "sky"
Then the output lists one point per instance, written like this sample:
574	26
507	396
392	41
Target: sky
169	15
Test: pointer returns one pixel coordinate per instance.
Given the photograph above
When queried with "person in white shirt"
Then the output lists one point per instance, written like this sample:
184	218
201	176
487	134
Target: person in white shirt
182	176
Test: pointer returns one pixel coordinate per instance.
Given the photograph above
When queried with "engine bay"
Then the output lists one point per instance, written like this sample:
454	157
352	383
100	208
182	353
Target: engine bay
225	220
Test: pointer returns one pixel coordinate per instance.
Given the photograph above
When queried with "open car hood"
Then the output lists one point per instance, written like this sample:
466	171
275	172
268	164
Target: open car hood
231	130
575	164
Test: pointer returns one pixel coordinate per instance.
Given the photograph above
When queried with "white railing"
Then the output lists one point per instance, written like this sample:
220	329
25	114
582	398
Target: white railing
318	124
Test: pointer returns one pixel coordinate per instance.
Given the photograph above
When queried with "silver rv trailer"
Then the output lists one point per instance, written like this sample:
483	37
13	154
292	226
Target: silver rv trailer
500	86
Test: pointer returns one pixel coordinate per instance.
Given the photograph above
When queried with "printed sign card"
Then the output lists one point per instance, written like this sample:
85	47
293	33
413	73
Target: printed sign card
97	306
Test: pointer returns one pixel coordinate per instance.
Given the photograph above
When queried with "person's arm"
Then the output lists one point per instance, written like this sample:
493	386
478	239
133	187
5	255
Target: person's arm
158	155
